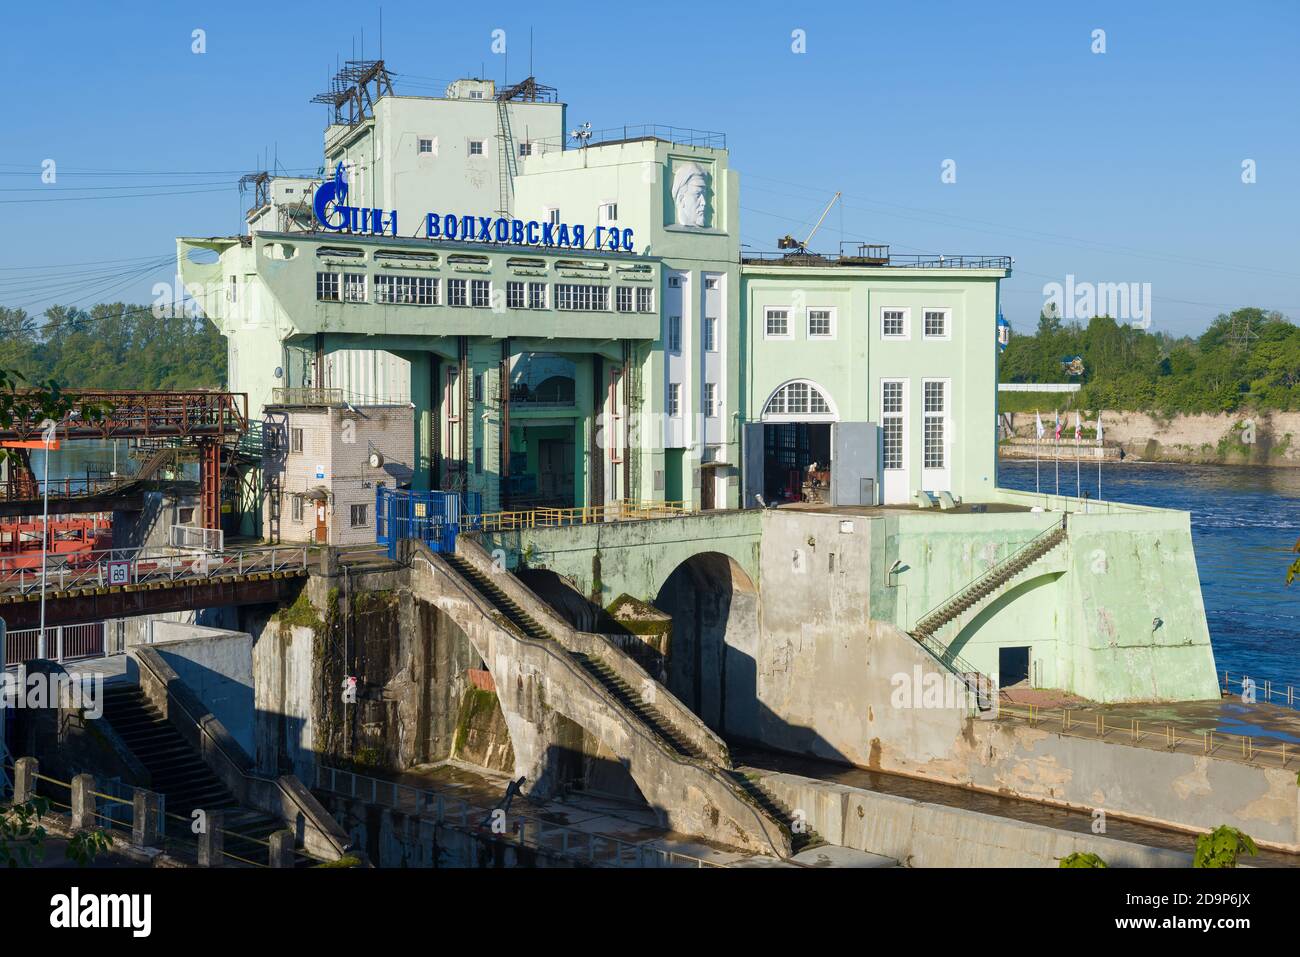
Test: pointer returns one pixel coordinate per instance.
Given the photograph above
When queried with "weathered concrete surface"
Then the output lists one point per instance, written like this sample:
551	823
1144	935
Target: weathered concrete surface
217	666
932	835
538	681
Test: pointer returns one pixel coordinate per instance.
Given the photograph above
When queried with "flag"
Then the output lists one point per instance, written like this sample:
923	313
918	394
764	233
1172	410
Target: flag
1099	426
1057	431
1078	427
1039	431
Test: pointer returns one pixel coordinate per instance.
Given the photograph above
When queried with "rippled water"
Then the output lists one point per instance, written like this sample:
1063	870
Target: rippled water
1245	522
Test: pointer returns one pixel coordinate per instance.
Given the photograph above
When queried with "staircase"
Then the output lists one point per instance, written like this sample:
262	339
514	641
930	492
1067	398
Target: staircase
713	775
181	776
974	593
800	839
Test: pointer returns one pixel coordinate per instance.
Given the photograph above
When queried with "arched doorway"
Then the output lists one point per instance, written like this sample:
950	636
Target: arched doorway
796	449
712	663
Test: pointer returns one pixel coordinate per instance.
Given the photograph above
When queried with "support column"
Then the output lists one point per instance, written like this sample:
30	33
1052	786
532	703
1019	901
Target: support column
83	802
210	483
212	840
144	819
25	771
281	849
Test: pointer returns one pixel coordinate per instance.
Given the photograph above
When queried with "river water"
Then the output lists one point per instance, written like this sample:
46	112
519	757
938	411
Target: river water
1245	522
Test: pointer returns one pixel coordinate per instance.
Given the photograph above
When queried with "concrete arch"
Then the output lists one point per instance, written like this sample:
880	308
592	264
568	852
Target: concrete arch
1008	597
712	657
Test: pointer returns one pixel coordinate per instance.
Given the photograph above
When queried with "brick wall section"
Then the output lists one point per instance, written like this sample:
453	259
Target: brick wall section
336	443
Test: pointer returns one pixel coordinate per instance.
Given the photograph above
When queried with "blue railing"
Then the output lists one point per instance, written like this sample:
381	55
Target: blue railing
434	518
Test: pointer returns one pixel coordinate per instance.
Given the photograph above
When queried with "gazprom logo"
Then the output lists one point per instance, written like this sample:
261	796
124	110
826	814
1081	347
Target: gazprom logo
333	213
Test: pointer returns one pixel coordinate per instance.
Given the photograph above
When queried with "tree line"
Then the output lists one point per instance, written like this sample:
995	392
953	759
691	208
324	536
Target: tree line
1247	359
112	346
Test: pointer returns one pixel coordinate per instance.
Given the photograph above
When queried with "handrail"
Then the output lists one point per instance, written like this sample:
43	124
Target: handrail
634	726
991	571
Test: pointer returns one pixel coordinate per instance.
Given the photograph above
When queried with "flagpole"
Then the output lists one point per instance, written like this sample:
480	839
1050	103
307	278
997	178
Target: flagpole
1056	452
1101	454
1037	439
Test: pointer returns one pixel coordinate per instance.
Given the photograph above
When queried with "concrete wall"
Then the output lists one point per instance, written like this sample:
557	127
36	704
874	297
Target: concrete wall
217	666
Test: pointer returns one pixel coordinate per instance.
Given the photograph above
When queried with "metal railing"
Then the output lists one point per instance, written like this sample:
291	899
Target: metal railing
1223	744
677	135
1263	689
64	643
625	510
925	622
133	566
306	395
875	256
449	810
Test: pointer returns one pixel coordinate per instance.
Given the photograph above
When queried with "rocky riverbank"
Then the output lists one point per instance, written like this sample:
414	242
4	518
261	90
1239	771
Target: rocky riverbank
1240	438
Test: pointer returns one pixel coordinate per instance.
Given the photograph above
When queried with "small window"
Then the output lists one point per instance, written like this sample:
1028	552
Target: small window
354	287
711	282
537	295
514	295
426	146
623	298
480	293
478	387
674	282
645	299
710	397
456	293
893	323
288	191
359	515
710	334
936	324
295	508
777	324
295	440
609	212
327	286
525	149
553	217
674	399
478	460
475	147
187	516
674	333
821	324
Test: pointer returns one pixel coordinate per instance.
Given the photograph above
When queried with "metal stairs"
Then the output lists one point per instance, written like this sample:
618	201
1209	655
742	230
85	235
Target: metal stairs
181	776
506	164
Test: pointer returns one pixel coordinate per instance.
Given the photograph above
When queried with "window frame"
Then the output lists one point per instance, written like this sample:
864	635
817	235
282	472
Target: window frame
767	320
903	336
946	311
899	416
364	512
709	334
674	403
325	280
832	321
471	143
942	416
709	400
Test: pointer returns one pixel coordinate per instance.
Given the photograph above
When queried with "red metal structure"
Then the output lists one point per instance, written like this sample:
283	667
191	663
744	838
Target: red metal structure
214	422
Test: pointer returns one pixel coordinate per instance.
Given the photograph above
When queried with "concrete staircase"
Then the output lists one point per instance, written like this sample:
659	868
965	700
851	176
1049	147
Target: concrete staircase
680	765
179	774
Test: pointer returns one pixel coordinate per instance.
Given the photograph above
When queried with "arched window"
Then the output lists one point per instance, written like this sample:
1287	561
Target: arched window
799	400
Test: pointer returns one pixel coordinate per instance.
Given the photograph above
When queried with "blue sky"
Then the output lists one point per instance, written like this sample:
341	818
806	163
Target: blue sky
1116	167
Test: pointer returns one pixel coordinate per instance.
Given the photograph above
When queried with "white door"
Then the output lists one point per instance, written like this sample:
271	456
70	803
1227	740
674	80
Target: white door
936	435
893	427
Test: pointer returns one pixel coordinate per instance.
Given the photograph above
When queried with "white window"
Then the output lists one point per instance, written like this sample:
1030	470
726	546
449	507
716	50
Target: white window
710	333
354	287
359	516
295	508
480	293
295	440
608	212
674	399
553	217
476	94
623	299
537	295
674	333
581	297
407	290
514	294
710	397
456	293
934	410
821	323
711	282
937	324
327	286
525	149
895	323
475	147
645	299
776	323
798	399
891	416
426	146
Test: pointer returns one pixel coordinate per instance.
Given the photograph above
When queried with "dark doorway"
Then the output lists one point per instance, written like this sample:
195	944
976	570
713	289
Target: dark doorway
789	449
708	488
1013	666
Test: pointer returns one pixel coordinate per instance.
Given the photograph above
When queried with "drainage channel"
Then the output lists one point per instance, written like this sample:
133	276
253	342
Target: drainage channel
968	799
